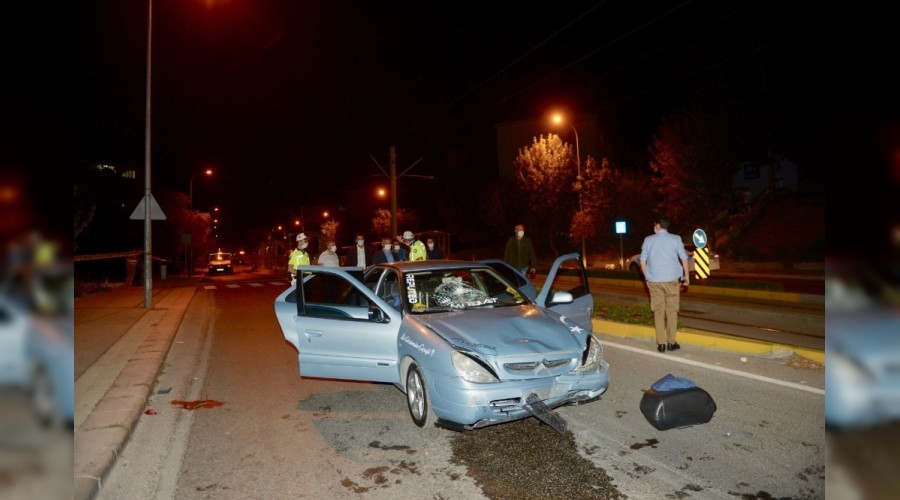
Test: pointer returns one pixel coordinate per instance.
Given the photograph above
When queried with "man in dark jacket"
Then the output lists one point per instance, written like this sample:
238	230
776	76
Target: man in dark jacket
519	251
359	256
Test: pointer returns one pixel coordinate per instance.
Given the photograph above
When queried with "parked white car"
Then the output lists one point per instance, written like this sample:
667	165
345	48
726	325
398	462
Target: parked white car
634	262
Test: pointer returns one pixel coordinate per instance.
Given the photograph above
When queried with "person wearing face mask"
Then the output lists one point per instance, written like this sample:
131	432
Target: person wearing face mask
519	252
299	257
359	256
387	253
664	263
432	251
399	251
329	257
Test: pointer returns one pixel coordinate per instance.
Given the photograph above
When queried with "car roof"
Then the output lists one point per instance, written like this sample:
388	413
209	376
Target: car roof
430	265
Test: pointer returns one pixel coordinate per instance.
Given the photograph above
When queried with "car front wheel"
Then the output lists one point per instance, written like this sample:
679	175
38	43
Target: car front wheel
43	398
418	398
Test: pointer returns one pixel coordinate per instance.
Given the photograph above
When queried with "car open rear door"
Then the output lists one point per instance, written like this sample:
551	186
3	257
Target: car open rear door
344	330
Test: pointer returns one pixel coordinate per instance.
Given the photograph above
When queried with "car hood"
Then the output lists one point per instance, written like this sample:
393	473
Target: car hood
869	334
520	331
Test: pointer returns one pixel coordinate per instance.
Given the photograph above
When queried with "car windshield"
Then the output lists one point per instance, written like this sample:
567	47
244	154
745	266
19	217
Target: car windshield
456	289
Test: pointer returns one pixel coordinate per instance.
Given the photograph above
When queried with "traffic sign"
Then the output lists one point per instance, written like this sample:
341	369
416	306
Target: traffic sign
701	263
699	238
156	212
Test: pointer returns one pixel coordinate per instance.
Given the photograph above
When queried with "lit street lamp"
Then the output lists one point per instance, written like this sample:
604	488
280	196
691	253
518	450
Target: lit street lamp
559	119
189	255
208	172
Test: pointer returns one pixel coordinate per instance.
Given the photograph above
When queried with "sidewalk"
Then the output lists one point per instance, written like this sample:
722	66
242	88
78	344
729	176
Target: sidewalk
120	347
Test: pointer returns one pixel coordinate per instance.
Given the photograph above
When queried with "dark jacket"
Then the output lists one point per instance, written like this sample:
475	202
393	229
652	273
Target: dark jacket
352	257
381	257
520	253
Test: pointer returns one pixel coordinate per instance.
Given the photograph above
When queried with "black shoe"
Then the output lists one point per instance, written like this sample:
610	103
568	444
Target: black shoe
673	346
661	347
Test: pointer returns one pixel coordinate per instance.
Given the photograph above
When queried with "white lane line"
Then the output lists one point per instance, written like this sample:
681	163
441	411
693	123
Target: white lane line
209	287
232	286
256	284
277	283
739	373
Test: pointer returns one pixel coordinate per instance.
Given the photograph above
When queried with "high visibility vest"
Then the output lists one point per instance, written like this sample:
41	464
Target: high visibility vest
417	251
298	258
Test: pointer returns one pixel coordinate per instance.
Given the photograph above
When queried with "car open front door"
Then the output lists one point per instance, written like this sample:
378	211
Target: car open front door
344	330
567	274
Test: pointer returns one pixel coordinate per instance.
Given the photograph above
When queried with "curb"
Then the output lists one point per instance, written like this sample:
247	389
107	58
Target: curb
711	340
103	434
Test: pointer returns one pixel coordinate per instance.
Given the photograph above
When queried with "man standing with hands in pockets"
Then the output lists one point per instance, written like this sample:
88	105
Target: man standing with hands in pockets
664	263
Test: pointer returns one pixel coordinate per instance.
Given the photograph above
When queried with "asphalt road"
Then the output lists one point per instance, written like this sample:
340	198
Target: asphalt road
276	435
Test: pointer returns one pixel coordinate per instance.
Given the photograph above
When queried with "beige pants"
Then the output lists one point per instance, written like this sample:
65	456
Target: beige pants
664	302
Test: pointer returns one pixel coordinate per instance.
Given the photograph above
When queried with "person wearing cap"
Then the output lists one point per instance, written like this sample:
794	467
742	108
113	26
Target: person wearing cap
299	257
416	247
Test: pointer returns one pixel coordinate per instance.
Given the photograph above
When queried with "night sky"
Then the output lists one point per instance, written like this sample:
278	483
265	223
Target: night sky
287	100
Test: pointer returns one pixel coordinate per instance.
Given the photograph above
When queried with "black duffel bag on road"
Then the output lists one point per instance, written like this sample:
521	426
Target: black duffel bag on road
679	404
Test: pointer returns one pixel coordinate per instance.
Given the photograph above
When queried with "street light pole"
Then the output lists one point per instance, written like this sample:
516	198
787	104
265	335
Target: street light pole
190	253
580	190
558	119
148	239
208	171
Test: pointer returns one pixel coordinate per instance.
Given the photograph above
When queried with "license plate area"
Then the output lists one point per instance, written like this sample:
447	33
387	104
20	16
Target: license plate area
542	412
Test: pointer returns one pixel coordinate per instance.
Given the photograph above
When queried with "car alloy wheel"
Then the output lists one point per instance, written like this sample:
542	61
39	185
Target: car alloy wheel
417	398
43	399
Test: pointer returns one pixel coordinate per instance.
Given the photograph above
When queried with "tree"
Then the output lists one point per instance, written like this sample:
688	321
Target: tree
329	230
692	157
545	174
381	223
598	192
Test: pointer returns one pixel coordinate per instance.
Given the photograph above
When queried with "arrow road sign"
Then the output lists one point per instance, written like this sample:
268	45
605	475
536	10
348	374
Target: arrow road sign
699	238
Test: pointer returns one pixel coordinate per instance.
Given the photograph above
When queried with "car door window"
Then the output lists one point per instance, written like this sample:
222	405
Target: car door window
329	295
389	289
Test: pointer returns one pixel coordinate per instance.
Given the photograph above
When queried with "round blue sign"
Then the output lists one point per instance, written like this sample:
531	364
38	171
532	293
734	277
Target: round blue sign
699	238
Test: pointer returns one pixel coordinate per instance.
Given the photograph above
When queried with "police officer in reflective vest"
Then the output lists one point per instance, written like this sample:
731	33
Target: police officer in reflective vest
299	257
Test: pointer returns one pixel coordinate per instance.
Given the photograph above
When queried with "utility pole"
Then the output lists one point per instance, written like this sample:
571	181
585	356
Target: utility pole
393	158
392	176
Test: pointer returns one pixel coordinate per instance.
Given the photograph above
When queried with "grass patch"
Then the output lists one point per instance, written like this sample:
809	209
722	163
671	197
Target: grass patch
629	314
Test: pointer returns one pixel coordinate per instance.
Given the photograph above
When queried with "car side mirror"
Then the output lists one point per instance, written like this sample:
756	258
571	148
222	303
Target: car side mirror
562	298
377	315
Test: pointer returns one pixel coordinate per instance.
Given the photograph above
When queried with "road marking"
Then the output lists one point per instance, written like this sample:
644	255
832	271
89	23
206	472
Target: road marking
239	285
739	373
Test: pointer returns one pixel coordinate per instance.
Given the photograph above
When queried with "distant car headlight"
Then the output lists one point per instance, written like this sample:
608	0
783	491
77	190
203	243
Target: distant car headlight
593	355
471	370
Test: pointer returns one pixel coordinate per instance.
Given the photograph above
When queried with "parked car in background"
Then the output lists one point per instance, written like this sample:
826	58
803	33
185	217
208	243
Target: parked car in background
220	262
467	346
634	262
